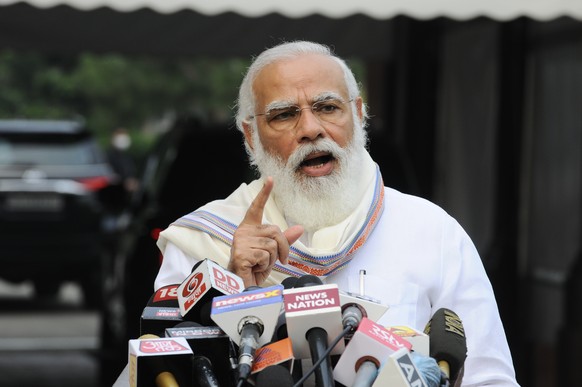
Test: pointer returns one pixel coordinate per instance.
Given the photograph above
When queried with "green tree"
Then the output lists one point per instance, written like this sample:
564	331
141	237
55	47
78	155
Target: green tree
114	90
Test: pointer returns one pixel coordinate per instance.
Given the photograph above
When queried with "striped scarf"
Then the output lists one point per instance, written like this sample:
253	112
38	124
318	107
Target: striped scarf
302	260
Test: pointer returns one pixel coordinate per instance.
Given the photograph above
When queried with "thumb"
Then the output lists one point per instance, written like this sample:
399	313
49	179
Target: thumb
292	234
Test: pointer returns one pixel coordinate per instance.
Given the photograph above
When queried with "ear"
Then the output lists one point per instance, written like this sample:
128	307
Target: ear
247	131
359	108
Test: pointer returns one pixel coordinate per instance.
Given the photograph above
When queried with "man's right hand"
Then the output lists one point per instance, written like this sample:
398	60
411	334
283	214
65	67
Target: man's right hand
257	246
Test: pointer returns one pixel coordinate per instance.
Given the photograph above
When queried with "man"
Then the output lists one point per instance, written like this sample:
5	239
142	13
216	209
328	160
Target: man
121	160
320	207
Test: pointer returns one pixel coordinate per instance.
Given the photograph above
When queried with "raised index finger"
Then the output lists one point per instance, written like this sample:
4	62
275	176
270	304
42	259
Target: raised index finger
254	214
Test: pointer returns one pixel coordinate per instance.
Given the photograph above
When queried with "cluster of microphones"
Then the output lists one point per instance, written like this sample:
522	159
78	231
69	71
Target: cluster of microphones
211	331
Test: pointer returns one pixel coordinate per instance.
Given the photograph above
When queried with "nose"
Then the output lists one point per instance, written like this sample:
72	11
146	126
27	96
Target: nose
309	126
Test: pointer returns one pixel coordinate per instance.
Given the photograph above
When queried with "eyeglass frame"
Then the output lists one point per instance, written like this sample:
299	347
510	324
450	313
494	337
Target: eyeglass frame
300	109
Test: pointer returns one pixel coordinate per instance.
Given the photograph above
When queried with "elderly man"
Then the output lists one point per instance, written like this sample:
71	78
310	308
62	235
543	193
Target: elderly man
320	207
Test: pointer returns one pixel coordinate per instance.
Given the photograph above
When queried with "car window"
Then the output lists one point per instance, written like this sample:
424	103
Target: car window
19	150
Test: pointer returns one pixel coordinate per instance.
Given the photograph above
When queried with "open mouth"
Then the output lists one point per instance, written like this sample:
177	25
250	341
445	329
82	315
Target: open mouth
318	164
314	161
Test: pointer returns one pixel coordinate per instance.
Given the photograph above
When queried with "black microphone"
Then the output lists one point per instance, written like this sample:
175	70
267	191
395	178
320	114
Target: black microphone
289	282
307	280
281	328
274	375
161	311
294	366
211	350
447	342
204	375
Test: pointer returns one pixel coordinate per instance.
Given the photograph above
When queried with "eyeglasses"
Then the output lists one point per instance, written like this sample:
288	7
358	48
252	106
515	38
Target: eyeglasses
280	119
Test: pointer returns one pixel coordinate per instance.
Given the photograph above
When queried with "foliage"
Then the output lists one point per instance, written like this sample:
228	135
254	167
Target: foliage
110	90
142	94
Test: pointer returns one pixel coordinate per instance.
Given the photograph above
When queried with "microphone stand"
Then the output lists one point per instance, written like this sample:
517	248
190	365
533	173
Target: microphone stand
317	338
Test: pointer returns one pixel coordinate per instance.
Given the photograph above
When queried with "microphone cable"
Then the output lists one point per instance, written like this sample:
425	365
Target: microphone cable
346	330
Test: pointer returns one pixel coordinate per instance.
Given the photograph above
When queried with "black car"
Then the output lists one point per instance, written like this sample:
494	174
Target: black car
54	216
190	165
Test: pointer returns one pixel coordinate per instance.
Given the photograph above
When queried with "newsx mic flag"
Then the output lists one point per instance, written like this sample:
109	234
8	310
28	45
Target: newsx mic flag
249	319
264	304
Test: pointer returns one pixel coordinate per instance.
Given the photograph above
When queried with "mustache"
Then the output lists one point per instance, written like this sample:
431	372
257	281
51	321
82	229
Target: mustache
322	145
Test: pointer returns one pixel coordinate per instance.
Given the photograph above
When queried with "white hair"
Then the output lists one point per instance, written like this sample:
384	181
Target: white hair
246	98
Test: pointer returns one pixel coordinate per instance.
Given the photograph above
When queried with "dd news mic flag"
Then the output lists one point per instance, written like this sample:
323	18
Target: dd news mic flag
207	280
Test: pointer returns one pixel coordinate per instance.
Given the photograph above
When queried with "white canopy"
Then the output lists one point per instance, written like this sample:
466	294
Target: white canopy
378	9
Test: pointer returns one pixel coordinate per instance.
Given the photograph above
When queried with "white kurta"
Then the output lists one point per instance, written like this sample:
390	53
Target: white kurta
418	260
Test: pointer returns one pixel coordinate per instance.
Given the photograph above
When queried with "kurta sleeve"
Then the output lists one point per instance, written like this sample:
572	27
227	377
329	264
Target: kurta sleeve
467	291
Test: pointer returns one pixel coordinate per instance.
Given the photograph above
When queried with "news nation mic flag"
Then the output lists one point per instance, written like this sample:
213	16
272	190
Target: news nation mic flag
309	307
207	280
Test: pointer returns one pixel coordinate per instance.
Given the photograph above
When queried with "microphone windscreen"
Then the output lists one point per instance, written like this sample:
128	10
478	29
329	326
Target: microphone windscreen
187	324
308	280
198	263
164	297
161	311
447	339
289	282
275	375
205	318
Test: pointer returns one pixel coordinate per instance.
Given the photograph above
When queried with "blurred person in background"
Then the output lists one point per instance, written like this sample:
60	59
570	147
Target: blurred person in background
122	161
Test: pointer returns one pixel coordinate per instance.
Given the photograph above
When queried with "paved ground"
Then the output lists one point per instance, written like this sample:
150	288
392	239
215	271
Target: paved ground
45	343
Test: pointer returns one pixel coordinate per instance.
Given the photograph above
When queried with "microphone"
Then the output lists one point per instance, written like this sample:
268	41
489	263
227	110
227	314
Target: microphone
274	375
448	344
289	282
249	318
207	280
154	361
211	352
373	309
352	314
204	375
368	349
400	370
281	328
314	320
161	311
293	365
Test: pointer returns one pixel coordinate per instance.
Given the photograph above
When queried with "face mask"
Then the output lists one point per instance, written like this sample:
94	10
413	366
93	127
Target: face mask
121	141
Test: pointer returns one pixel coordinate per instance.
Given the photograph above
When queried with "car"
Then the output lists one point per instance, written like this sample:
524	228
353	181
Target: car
57	205
191	163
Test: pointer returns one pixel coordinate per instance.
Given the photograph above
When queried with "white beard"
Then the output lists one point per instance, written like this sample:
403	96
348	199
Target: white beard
315	202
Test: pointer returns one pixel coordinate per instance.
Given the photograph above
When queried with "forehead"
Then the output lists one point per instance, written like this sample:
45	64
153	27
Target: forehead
299	80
